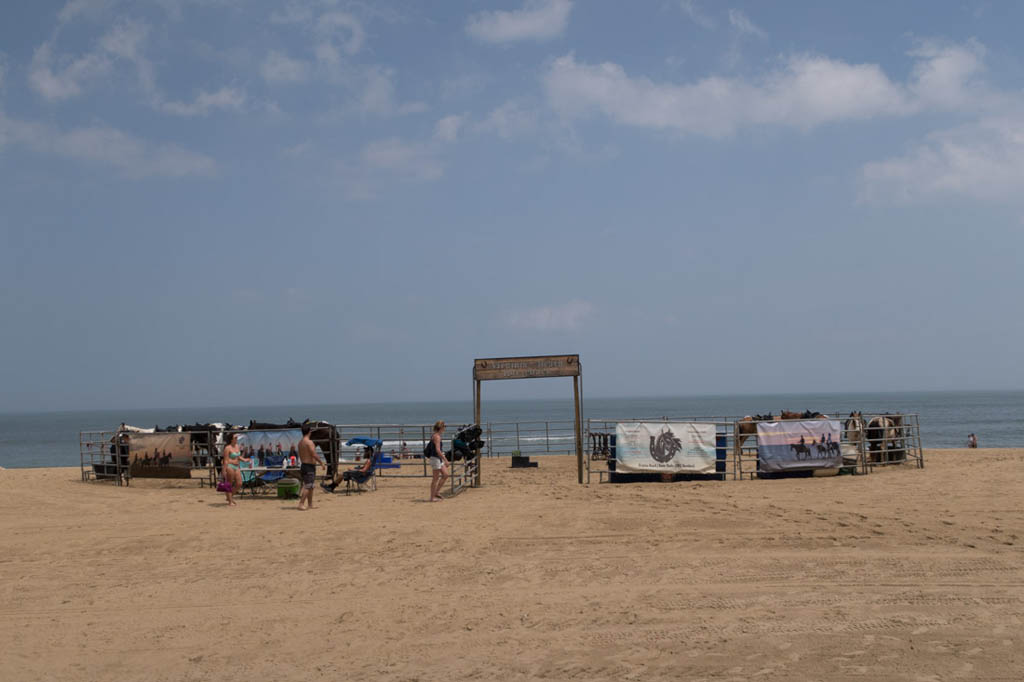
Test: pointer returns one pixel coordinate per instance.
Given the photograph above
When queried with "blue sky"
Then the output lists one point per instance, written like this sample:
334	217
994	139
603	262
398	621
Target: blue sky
211	202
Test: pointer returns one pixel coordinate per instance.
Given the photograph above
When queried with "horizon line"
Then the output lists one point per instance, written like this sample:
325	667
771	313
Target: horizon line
499	400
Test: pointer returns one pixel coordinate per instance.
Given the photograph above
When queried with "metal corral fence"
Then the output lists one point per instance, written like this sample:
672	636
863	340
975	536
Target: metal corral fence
529	438
599	444
104	455
867	441
402	448
99	458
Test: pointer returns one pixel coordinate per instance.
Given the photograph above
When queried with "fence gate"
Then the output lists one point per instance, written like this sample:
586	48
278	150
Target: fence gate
533	367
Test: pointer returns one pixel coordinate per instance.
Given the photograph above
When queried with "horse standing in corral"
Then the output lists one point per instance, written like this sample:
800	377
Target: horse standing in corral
884	435
747	426
806	414
853	429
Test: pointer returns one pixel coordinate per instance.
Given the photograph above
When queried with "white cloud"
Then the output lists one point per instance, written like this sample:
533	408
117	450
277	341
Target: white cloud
378	94
328	56
537	20
65	81
225	99
983	160
278	67
416	160
806	91
447	129
126	40
133	156
692	10
511	119
742	23
77	8
333	24
565	317
943	74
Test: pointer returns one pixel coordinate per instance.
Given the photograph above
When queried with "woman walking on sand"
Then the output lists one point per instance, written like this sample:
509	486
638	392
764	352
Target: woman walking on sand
231	469
438	462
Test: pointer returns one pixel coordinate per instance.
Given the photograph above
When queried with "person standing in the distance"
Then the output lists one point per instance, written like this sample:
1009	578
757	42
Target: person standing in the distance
309	459
438	462
231	469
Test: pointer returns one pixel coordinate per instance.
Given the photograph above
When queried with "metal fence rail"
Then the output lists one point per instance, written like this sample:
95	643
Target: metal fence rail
529	438
104	456
597	445
98	459
865	443
404	444
873	440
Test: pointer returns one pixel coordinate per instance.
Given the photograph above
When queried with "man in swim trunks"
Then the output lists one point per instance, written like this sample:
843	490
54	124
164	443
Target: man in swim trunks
309	459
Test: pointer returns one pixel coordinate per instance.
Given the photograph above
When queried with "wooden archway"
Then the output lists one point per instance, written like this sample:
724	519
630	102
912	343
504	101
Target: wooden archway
532	367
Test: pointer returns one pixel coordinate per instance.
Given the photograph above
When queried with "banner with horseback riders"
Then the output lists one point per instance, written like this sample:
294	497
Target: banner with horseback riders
680	447
792	445
160	455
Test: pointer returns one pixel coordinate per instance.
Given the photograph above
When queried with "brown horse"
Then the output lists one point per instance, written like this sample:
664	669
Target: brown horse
747	426
806	414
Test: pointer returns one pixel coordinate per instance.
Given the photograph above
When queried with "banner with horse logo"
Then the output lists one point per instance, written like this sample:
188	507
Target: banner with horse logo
681	447
160	455
789	445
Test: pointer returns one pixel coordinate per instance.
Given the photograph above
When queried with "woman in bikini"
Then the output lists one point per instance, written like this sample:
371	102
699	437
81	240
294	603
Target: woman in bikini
231	469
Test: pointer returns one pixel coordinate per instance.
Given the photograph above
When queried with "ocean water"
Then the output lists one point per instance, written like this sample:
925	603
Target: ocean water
997	417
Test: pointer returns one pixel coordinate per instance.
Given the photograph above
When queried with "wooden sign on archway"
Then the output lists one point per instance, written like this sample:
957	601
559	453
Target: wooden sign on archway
532	367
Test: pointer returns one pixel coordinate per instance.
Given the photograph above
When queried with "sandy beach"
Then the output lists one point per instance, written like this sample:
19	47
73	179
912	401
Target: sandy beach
905	574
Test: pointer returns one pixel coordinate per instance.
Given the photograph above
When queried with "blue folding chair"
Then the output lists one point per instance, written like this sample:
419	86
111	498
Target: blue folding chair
273	476
250	480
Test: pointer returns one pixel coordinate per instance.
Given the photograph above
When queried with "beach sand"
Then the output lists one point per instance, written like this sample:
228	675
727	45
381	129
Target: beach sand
905	574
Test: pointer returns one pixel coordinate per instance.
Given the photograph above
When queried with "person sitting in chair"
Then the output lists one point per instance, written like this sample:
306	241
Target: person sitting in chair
359	474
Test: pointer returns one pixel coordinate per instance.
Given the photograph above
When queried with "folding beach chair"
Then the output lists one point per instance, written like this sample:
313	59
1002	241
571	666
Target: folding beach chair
251	482
271	461
356	479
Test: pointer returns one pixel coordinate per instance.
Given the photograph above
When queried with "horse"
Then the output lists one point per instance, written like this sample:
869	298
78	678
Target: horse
806	414
747	426
884	435
853	429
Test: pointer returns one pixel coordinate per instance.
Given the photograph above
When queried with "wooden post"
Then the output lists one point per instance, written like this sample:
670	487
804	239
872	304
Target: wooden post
737	452
476	420
579	429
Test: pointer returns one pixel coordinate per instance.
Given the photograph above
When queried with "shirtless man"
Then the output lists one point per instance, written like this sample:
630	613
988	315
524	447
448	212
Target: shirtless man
309	459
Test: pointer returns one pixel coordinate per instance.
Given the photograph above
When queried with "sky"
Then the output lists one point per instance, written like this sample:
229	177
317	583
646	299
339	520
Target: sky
235	202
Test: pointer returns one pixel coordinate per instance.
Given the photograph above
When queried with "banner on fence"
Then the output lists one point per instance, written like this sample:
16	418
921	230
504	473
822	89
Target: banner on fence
682	447
812	444
280	443
160	455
